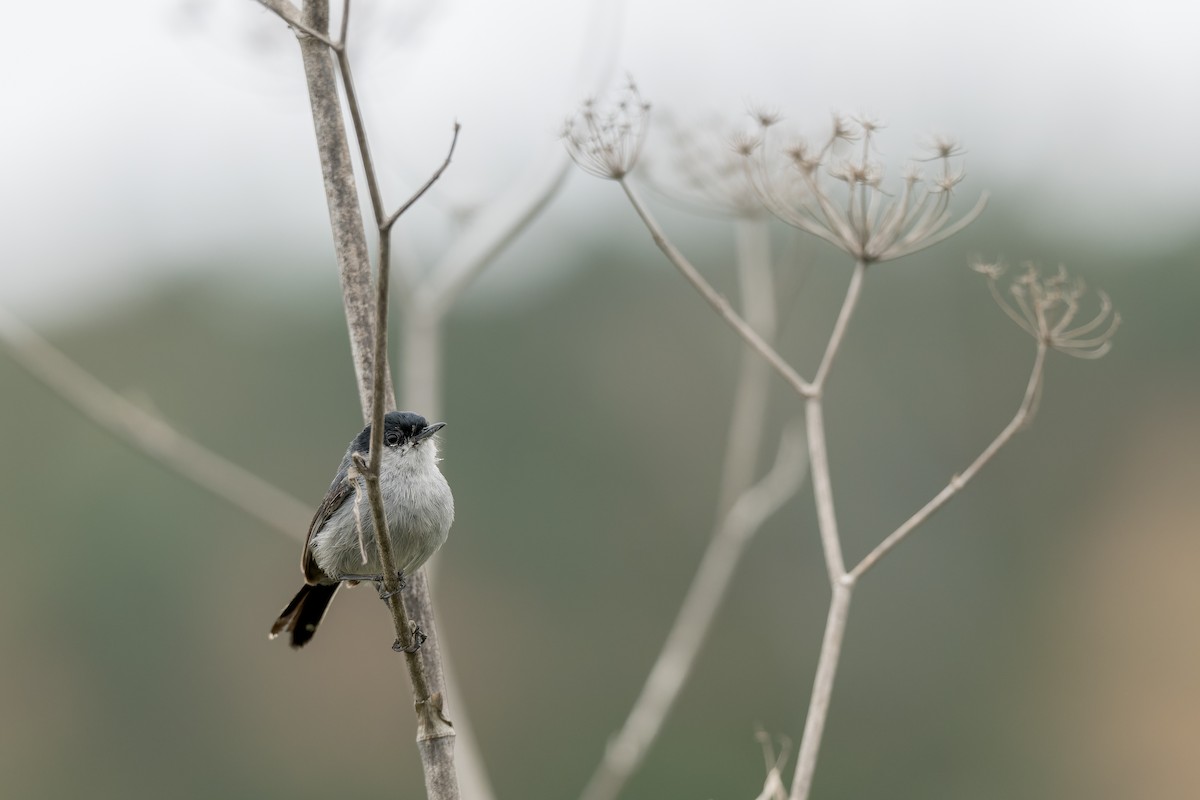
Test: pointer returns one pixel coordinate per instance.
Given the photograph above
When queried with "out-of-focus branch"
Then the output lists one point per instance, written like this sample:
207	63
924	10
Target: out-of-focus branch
150	434
714	298
737	502
627	749
756	285
490	232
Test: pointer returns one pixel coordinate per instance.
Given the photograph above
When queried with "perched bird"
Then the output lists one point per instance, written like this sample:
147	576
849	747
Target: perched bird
417	505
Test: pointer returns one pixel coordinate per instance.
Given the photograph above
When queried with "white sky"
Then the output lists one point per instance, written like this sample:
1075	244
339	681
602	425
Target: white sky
178	132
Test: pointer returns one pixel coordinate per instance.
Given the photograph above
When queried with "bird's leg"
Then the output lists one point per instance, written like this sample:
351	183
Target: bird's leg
378	581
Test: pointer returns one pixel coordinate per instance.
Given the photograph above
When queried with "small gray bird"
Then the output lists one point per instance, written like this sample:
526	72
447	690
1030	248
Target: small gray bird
417	504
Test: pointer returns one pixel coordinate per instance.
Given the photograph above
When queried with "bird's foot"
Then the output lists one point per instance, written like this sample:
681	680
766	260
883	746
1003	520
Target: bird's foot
418	639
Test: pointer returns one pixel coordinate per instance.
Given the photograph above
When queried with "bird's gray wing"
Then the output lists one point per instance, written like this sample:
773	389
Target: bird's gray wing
339	491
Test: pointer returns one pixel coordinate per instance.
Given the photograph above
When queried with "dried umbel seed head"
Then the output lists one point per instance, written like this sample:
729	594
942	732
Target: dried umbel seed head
699	164
607	141
1047	308
861	217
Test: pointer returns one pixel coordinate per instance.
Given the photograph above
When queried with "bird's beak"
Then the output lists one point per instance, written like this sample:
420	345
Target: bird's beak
429	430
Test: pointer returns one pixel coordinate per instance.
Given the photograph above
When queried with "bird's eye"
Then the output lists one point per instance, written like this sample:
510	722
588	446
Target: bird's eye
392	438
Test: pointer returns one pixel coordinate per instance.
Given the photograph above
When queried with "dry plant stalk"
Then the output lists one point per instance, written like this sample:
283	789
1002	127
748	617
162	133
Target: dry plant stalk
742	505
870	226
150	434
425	297
367	318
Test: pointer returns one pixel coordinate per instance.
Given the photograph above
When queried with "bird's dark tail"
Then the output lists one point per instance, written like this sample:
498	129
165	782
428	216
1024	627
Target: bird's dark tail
304	613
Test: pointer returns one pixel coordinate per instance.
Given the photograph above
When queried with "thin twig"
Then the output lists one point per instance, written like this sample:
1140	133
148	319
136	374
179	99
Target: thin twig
719	303
628	747
367	318
490	231
839	328
843	586
360	133
1021	418
387	224
150	434
290	14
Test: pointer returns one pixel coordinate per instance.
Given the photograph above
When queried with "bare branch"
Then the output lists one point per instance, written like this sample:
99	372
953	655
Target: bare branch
360	132
627	748
756	285
1021	418
822	693
341	194
818	456
151	435
367	318
839	328
391	220
719	303
490	232
292	16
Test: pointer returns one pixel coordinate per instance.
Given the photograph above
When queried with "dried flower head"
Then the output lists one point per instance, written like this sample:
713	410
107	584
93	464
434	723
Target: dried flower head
861	218
699	163
1047	307
607	142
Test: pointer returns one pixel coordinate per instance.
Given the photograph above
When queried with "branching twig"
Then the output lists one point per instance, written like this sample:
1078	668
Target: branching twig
719	303
843	587
1020	419
367	318
151	435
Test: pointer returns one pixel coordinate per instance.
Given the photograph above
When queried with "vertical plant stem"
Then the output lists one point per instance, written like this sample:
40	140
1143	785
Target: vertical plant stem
627	748
822	692
818	457
421	360
341	194
366	314
713	297
757	288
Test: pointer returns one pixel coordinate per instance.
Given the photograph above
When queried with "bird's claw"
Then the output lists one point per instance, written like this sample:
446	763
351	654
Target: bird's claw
418	639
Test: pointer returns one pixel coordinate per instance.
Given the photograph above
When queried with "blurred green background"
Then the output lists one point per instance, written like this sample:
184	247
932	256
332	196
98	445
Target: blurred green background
163	224
1036	639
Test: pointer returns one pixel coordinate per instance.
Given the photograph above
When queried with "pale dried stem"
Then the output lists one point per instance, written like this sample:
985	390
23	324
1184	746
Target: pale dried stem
822	692
627	748
341	194
843	587
818	457
839	328
757	289
737	506
151	435
719	303
490	232
1020	419
435	735
815	417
